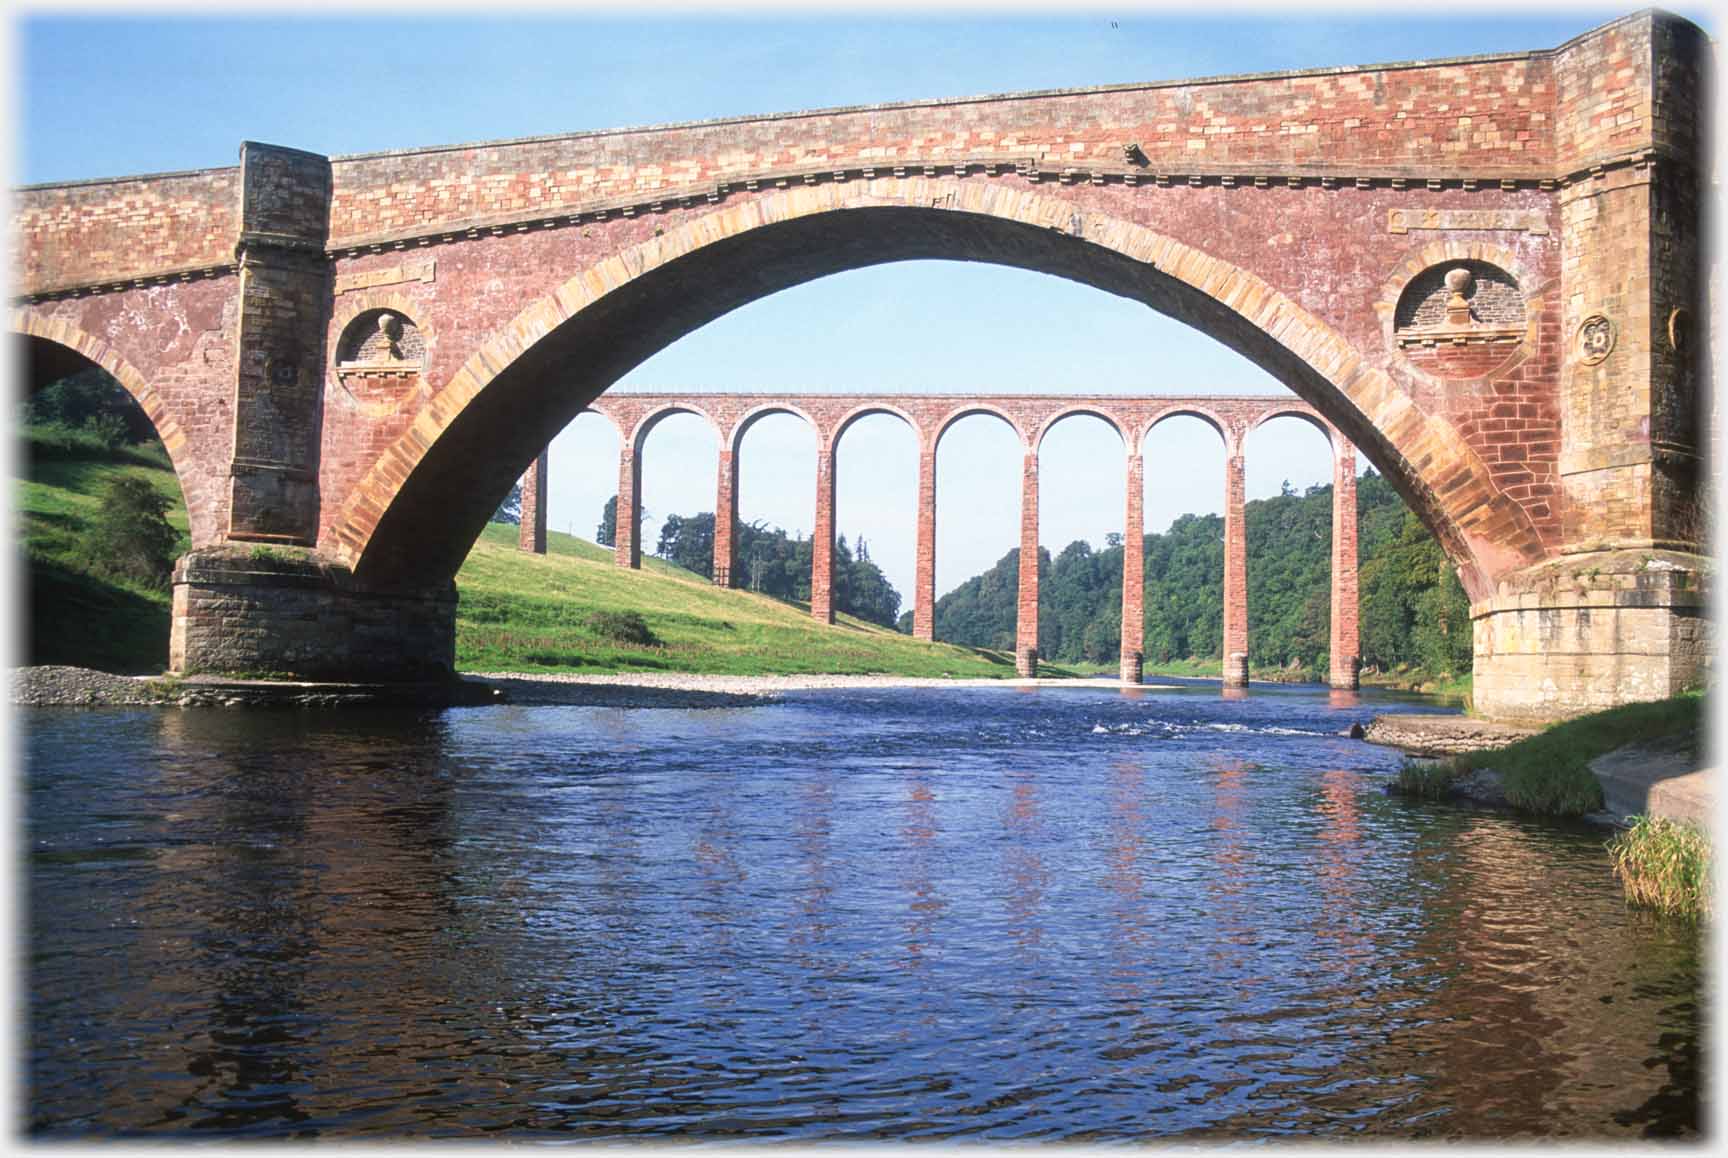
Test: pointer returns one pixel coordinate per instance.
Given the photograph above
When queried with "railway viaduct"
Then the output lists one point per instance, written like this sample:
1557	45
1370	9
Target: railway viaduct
1132	416
1484	272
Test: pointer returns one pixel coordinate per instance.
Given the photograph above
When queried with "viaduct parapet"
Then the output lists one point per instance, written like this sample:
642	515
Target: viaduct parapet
1483	272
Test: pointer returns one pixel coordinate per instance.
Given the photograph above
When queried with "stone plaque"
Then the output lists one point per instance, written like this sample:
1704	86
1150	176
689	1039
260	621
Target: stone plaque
421	269
1520	220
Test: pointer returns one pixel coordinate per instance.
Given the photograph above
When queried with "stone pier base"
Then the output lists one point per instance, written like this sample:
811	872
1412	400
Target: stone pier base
1026	662
271	611
1236	670
1347	674
1133	667
1587	632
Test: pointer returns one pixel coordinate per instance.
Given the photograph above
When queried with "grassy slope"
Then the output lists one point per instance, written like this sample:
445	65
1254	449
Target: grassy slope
517	612
526	613
77	616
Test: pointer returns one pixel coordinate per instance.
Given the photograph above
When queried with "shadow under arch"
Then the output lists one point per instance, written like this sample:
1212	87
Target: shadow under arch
466	447
54	350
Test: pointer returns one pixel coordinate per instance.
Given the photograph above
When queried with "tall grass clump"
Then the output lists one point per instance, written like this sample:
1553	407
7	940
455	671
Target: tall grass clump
1664	865
1426	779
1550	772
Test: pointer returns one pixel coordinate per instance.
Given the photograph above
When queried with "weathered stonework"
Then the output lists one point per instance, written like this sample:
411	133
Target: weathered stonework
265	610
1284	215
1590	631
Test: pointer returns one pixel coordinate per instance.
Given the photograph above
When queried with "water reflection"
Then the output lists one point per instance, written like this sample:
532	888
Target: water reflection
965	914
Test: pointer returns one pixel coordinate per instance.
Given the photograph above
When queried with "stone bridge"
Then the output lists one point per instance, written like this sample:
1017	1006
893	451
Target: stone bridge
1484	272
1131	416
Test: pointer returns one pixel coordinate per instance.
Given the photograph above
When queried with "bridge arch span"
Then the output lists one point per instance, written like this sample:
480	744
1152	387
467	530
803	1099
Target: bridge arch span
757	413
646	424
53	349
415	512
947	421
848	419
1113	421
1189	410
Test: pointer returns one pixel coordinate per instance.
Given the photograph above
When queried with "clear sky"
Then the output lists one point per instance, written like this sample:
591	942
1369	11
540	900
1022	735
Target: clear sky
102	93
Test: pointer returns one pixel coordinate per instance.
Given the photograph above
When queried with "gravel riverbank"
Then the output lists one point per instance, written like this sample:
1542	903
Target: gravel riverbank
50	686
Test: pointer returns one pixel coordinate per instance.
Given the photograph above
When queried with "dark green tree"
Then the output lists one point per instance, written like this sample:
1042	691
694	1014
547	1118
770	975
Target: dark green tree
607	535
131	537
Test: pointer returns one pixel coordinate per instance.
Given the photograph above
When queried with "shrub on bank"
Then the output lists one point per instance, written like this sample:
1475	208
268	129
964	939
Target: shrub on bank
1664	865
623	627
131	537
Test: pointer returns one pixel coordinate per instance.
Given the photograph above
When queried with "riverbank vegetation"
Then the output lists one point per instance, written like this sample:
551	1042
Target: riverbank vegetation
1549	773
1664	865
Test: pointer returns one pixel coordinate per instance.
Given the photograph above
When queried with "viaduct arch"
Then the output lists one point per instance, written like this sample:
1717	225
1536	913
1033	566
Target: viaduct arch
1031	417
1483	272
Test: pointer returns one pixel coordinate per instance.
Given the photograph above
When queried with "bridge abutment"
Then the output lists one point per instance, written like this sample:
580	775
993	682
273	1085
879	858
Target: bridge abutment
1586	632
281	612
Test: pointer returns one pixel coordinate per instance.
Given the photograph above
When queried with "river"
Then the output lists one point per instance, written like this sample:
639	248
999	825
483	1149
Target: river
983	913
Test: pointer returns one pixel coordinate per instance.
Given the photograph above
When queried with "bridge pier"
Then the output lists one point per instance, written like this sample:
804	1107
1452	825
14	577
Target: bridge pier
924	585
282	611
725	518
532	536
1591	631
1026	622
822	541
1133	646
1346	647
627	531
1235	644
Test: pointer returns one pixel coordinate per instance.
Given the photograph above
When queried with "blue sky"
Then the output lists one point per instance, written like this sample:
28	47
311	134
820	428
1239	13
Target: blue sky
105	93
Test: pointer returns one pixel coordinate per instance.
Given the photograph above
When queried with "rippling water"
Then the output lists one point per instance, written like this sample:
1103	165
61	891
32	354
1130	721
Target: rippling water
984	913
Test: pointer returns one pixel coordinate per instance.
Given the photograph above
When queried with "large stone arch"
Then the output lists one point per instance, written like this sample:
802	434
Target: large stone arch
54	348
421	504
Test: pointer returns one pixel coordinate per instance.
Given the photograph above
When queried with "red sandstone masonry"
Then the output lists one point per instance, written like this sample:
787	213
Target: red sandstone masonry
1282	214
531	536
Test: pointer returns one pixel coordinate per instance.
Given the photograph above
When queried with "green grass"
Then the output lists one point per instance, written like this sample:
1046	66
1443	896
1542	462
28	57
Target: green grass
1549	773
1664	865
1426	779
540	614
78	615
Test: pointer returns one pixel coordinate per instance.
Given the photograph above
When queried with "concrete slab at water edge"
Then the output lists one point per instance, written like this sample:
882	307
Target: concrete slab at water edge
1663	779
1427	735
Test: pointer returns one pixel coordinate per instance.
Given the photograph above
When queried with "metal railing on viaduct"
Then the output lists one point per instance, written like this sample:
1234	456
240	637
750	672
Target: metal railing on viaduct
1031	416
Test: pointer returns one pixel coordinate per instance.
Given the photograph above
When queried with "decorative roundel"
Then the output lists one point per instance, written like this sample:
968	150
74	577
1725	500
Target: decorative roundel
1595	339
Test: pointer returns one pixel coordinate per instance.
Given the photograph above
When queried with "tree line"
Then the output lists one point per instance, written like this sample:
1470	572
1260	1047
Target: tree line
771	562
1412	611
